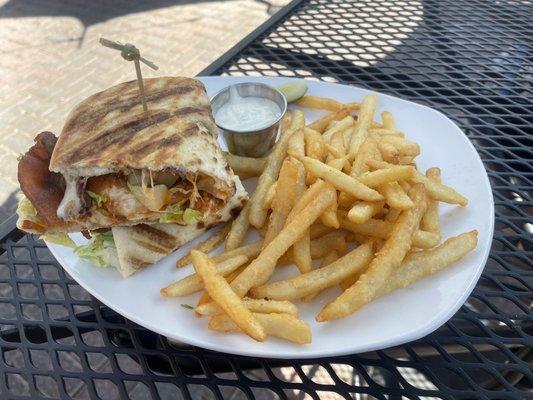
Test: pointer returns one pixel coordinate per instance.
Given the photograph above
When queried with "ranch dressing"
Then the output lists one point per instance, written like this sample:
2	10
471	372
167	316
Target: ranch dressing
247	113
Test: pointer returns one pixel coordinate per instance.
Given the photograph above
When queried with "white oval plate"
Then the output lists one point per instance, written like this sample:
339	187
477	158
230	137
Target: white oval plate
403	316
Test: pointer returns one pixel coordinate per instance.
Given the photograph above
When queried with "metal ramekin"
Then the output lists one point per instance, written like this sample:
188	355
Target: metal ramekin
250	143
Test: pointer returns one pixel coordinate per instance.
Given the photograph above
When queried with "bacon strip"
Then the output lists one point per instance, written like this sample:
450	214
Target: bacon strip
43	188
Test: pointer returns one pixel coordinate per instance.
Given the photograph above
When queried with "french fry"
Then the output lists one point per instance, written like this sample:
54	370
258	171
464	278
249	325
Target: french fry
333	152
286	122
430	220
386	261
318	229
382	229
358	238
392	215
395	196
337	142
332	256
245	167
260	269
314	148
406	160
363	211
321	124
225	297
232	275
318	279
319	103
427	262
347	137
283	199
366	152
339	126
388	120
319	247
239	227
270	174
352	105
333	241
308	196
329	218
364	122
349	281
404	146
301	250
254	305
314	144
382	176
296	146
205	298
377	133
283	326
406	186
346	201
271	192
193	283
206	246
436	190
346	283
270	306
339	163
249	250
439	191
340	181
389	153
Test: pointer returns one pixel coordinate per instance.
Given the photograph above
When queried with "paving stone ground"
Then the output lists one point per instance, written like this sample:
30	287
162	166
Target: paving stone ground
50	58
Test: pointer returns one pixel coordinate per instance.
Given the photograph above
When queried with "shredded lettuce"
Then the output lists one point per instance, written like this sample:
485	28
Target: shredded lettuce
191	217
98	199
174	209
172	214
26	208
101	252
59	238
27	211
175	214
19	157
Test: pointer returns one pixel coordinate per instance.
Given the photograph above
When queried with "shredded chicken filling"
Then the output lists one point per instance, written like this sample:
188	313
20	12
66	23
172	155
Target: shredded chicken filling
143	195
146	195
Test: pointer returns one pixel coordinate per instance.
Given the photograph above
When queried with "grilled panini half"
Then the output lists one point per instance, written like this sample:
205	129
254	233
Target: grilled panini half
116	165
142	245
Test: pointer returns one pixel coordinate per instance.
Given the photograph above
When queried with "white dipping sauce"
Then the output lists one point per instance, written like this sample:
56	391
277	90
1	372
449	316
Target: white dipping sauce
247	113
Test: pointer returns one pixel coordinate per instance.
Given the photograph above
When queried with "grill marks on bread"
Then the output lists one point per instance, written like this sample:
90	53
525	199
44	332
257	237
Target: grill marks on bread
110	129
152	240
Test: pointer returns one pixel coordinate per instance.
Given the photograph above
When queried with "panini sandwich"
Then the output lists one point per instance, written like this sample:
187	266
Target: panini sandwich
115	165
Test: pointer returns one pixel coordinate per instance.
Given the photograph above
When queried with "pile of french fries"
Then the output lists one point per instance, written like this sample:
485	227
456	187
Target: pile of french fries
345	190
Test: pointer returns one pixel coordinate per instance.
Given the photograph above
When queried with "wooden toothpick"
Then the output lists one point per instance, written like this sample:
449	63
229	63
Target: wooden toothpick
131	53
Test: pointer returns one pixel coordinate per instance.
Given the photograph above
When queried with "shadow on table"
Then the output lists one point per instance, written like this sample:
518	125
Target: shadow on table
435	55
91	13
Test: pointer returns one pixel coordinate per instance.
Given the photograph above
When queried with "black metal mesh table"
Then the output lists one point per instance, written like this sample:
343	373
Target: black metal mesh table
470	60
